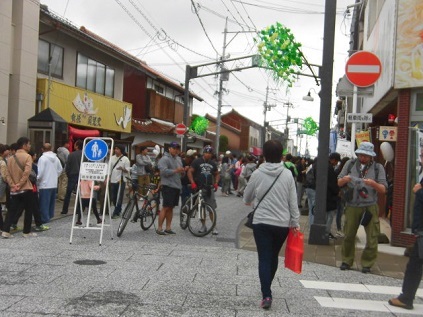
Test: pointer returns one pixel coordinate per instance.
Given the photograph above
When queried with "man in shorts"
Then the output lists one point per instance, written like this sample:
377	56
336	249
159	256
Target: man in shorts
203	173
171	171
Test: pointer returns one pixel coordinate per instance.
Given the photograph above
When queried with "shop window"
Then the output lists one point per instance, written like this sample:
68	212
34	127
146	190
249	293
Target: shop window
50	59
415	167
94	76
419	102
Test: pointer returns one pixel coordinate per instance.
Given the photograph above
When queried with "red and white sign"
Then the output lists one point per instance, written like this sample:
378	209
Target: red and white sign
363	69
180	129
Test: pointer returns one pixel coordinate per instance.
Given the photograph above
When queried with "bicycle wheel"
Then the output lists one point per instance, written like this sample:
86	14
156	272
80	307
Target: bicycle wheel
202	221
149	214
125	217
183	215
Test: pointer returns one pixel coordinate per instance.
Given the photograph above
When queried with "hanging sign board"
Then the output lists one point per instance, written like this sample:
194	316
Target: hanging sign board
360	117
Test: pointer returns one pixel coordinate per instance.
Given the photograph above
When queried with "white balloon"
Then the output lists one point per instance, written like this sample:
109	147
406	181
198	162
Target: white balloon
155	152
387	151
157	148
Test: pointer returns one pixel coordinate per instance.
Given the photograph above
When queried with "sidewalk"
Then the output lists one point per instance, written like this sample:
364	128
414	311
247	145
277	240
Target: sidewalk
390	262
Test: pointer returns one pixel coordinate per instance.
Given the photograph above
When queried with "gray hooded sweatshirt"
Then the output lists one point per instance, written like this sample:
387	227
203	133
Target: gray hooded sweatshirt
279	207
167	165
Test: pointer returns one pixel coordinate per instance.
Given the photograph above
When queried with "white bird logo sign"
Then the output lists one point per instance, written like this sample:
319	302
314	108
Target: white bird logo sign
85	106
125	119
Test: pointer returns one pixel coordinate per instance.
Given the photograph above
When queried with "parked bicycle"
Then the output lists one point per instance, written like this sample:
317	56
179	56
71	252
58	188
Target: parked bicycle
148	211
197	215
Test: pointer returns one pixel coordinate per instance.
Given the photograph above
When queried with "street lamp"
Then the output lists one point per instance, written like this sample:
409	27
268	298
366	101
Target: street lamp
309	97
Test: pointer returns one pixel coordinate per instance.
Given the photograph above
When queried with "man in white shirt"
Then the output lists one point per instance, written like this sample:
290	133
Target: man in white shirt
49	169
119	170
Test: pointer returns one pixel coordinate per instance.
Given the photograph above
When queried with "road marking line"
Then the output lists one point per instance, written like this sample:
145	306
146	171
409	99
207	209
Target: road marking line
356	287
368	305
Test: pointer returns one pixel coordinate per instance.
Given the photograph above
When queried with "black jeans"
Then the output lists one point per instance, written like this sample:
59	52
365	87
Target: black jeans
412	277
20	202
35	211
72	182
269	240
85	202
116	192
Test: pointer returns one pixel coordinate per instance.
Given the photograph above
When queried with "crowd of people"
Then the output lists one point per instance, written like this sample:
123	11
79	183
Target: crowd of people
278	185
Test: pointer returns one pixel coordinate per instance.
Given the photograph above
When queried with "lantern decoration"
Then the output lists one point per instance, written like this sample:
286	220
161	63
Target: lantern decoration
310	126
199	125
280	52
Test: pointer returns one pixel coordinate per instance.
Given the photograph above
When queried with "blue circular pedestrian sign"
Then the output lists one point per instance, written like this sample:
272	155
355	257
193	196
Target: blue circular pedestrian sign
96	150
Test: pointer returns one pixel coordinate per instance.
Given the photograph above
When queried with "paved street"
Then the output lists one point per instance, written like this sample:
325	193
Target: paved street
144	274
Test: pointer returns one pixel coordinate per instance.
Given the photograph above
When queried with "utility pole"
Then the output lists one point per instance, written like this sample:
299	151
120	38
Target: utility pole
318	228
288	118
222	77
266	107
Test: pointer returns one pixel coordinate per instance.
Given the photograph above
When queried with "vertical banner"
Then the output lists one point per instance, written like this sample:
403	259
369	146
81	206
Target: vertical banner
419	152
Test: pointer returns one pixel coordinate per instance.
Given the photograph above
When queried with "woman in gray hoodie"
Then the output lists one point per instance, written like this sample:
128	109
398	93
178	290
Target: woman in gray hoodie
276	213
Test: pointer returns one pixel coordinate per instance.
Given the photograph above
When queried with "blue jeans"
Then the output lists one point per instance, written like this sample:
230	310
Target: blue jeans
185	194
72	182
339	213
47	201
269	240
311	199
115	190
329	219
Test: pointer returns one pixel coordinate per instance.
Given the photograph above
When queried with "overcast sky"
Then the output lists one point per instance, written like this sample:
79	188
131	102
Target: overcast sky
168	34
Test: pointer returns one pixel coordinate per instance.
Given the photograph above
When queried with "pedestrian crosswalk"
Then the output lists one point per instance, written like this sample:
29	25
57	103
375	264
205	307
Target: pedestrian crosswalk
361	304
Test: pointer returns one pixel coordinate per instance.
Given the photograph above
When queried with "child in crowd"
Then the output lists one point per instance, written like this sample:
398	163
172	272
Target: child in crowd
156	180
85	193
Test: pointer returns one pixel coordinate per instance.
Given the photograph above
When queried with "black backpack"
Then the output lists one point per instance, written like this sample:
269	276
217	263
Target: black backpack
310	179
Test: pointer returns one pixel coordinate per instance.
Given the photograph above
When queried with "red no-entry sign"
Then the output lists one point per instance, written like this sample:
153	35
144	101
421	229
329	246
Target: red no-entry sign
363	69
180	129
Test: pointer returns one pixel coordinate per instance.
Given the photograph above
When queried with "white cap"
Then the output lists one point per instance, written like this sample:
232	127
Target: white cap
191	152
228	152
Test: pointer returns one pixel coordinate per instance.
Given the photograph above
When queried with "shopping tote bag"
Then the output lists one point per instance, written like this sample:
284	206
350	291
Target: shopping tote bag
294	251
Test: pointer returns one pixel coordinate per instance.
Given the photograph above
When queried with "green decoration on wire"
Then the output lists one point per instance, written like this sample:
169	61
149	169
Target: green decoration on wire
199	125
310	126
280	52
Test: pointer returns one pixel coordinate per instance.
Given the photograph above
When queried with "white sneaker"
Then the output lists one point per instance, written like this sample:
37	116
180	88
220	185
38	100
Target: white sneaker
215	232
340	234
203	229
6	235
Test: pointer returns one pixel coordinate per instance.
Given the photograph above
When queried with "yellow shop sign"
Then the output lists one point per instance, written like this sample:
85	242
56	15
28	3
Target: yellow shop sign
80	107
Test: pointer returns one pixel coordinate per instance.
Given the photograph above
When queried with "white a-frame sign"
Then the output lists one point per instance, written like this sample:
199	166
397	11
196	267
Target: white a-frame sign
93	176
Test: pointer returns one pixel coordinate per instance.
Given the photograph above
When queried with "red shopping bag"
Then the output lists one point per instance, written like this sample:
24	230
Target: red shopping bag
294	251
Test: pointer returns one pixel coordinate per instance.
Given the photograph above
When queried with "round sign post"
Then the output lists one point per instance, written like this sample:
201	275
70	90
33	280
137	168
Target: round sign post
363	69
96	150
180	129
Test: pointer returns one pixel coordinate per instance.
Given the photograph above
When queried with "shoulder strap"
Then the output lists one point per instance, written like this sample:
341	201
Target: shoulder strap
350	165
19	163
116	162
276	178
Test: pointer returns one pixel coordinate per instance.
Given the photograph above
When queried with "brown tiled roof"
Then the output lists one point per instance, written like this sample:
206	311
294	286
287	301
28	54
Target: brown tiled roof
150	126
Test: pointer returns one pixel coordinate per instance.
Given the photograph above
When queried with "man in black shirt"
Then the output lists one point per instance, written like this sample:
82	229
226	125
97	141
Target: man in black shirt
204	174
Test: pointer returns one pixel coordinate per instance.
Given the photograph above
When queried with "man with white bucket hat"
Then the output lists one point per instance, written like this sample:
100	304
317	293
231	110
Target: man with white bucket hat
365	179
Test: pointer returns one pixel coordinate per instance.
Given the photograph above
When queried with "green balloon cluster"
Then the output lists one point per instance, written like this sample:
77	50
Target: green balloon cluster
199	125
280	52
310	126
